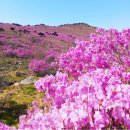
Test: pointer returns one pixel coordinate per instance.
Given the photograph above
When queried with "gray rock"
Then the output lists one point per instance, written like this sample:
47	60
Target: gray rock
4	68
1	76
28	80
6	83
19	74
16	84
18	62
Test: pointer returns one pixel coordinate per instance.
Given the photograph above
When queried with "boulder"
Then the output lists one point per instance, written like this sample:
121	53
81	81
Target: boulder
4	68
16	84
20	74
6	83
28	80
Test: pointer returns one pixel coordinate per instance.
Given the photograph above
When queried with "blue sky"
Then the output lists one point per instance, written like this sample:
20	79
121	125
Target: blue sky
100	13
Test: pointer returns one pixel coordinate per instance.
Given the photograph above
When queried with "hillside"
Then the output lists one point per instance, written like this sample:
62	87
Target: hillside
20	44
23	49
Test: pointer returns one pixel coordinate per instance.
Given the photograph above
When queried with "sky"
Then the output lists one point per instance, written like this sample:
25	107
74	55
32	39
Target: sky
100	13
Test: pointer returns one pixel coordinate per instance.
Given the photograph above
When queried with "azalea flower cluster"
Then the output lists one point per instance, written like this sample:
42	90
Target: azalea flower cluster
96	100
20	52
91	89
102	51
38	66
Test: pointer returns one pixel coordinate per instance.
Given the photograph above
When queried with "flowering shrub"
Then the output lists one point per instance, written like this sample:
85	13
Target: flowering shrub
38	66
20	52
6	127
67	38
8	50
98	99
91	90
102	51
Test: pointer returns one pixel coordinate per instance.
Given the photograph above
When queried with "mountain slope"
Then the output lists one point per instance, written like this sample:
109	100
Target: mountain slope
19	47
